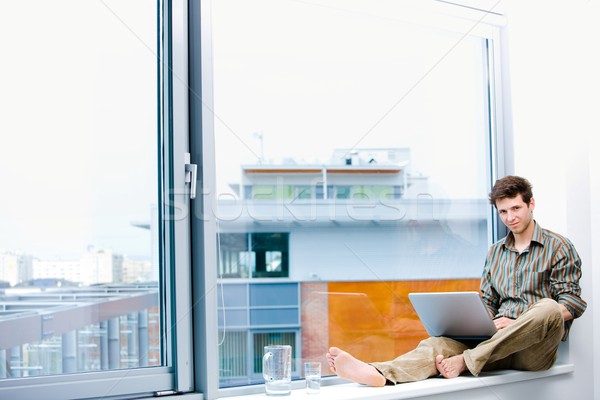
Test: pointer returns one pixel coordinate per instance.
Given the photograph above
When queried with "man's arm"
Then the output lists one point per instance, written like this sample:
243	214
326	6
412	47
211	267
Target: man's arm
503	322
566	272
486	288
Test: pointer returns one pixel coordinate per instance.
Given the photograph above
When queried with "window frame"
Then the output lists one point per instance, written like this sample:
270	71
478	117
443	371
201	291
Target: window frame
176	373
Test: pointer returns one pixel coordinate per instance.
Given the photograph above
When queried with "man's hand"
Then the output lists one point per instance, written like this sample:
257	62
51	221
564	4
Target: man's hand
565	312
503	322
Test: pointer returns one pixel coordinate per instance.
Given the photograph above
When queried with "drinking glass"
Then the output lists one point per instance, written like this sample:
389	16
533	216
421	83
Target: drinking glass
312	374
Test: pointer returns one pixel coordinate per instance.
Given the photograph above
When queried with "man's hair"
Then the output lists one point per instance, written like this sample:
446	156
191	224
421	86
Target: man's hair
509	187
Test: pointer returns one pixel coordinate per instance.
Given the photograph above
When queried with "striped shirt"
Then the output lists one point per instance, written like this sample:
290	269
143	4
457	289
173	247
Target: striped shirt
549	268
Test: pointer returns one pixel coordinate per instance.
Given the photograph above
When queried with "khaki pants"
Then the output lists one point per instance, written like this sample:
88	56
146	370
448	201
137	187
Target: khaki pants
530	344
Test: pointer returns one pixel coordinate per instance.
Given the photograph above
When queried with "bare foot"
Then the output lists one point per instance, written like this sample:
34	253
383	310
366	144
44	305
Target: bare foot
347	367
450	367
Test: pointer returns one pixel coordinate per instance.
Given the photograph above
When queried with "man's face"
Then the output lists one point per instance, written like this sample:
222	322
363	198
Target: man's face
515	213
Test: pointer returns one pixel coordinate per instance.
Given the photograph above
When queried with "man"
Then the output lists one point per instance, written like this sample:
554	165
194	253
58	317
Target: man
530	286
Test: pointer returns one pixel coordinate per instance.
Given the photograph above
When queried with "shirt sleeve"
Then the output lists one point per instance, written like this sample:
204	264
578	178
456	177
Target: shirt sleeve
564	279
488	294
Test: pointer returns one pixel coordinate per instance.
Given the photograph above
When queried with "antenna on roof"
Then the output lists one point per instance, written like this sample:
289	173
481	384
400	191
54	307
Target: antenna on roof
259	136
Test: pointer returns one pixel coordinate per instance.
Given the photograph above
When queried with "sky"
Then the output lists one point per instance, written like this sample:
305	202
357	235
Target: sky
78	144
329	74
78	138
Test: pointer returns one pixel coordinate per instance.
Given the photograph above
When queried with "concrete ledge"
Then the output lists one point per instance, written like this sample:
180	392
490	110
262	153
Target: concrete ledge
432	386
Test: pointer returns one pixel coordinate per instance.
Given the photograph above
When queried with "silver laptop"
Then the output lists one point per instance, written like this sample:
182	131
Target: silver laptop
457	315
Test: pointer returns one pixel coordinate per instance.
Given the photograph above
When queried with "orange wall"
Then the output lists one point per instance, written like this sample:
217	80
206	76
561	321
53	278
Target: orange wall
375	321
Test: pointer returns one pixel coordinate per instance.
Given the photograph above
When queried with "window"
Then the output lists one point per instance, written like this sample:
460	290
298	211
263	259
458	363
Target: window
89	261
366	132
336	176
244	255
304	192
269	339
252	316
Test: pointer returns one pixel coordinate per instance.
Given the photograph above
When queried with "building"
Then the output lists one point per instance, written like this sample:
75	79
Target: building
65	328
15	267
295	256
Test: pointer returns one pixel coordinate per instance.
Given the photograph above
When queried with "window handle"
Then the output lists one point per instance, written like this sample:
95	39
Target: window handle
191	172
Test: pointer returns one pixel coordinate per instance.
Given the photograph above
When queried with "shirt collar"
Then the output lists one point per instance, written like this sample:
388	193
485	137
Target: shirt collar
537	237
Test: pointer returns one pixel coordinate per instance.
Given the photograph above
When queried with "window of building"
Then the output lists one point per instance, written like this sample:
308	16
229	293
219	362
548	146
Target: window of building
252	316
258	255
303	192
340	191
262	339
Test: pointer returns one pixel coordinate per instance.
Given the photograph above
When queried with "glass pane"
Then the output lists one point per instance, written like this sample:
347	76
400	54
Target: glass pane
352	145
79	172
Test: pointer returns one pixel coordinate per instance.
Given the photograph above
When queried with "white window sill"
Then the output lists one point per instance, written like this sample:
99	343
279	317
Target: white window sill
432	386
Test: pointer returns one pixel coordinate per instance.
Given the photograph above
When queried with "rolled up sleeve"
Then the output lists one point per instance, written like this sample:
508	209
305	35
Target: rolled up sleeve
564	279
